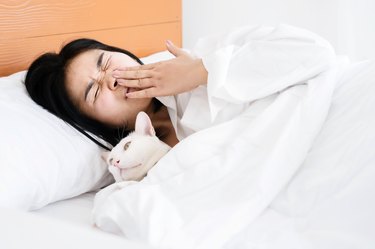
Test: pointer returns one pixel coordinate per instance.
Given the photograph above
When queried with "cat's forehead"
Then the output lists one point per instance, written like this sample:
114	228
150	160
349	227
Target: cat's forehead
135	139
124	140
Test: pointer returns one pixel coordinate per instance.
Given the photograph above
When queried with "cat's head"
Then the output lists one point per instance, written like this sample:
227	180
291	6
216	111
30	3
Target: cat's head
132	153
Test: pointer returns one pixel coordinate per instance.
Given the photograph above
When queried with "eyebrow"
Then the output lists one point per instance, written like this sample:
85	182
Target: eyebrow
91	83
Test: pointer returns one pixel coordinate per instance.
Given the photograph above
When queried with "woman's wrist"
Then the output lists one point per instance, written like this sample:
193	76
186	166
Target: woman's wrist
201	72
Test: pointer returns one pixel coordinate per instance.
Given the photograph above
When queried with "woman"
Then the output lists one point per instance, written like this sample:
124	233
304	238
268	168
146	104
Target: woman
100	89
79	85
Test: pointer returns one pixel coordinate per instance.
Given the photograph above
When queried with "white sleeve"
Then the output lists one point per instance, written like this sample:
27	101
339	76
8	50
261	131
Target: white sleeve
253	62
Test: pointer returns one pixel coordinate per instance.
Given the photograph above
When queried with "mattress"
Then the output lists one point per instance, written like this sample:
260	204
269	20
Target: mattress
76	211
63	224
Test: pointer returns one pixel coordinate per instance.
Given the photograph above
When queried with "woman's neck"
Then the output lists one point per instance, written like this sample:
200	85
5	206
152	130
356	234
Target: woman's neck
163	126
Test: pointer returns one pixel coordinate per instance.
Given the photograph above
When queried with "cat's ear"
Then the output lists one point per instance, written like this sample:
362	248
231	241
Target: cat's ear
143	125
105	155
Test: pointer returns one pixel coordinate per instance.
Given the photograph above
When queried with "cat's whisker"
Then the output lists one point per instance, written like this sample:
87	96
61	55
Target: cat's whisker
118	133
123	131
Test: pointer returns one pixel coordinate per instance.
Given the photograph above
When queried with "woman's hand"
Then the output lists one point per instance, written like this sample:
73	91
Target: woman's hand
169	77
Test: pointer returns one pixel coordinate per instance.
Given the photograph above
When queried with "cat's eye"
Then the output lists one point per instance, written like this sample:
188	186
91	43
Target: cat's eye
126	146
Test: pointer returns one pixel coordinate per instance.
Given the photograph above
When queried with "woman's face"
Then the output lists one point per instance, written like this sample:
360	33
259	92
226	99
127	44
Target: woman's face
91	86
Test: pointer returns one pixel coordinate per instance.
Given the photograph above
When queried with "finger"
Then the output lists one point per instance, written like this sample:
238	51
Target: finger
134	68
176	51
144	93
136	83
126	74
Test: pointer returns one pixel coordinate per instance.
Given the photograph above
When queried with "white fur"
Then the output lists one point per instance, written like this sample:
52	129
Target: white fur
143	152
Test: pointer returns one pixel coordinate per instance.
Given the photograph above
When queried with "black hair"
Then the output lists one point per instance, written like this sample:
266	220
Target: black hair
45	83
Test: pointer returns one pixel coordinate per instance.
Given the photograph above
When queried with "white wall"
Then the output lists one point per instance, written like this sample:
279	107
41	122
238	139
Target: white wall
348	24
356	28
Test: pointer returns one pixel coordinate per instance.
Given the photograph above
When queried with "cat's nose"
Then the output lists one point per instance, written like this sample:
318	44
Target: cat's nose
117	163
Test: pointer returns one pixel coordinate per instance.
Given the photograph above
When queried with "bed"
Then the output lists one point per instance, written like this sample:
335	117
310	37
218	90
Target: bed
28	29
50	173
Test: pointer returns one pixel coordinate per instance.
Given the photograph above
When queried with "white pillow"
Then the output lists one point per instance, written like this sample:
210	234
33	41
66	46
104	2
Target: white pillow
43	159
159	56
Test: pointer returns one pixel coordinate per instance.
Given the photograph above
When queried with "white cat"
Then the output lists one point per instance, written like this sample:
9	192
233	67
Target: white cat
137	153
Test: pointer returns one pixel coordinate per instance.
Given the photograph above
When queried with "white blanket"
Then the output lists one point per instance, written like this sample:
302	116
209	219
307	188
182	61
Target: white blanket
220	180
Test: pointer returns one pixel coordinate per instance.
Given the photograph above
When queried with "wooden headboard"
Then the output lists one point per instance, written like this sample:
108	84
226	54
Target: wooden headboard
29	28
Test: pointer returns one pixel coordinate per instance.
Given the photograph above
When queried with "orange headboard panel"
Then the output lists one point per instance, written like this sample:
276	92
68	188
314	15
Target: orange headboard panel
29	28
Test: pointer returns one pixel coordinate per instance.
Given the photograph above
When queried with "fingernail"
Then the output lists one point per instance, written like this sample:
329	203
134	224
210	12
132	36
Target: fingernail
168	42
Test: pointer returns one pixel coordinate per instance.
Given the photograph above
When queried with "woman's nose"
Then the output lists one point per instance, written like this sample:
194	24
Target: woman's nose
110	81
113	84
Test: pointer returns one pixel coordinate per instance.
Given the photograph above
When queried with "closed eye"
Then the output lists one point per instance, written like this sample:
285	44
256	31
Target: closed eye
106	64
96	93
103	68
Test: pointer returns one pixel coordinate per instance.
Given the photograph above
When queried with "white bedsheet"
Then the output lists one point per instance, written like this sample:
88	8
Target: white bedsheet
300	185
329	203
220	181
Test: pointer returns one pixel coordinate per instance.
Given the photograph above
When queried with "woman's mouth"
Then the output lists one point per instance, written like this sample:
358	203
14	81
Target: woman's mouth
129	90
126	91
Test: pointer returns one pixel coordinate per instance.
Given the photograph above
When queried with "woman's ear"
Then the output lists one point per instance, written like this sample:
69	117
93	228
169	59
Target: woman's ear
143	125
